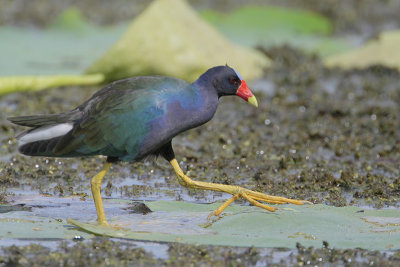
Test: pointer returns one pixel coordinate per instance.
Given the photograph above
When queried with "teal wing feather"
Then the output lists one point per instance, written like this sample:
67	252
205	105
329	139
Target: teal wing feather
117	119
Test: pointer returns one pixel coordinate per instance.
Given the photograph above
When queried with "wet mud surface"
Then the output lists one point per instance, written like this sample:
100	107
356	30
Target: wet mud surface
106	252
324	135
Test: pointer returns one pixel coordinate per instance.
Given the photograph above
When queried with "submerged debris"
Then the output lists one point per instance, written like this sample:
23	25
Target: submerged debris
138	207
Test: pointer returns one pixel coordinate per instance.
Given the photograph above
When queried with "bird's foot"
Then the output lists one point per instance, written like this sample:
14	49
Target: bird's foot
103	223
236	191
254	197
88	227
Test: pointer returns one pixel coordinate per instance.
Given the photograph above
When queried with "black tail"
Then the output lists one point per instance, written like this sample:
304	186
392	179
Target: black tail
40	120
40	147
37	146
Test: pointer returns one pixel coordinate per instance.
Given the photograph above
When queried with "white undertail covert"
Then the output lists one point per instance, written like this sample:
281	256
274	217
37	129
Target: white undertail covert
45	133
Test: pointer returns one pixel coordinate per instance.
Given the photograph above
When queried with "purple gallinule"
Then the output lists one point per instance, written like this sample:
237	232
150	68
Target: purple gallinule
132	118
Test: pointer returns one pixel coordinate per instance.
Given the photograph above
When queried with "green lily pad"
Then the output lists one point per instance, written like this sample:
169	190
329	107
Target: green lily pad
272	26
71	19
179	221
26	51
35	59
348	227
272	19
23	225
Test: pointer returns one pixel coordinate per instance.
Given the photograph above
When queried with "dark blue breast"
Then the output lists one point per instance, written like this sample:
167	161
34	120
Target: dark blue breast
161	113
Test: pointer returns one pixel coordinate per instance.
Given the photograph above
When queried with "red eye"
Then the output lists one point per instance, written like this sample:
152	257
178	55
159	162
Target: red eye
233	80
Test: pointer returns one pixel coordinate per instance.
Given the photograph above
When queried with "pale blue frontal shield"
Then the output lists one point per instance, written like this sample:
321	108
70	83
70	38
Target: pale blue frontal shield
237	73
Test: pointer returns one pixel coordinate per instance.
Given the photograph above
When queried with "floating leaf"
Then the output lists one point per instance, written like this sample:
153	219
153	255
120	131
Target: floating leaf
56	56
382	51
348	227
26	51
26	226
179	221
269	26
71	19
271	19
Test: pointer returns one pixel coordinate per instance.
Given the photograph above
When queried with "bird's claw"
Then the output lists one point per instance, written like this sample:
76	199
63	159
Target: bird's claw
254	197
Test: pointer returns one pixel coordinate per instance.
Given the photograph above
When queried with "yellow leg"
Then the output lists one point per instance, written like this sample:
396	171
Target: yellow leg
96	186
236	191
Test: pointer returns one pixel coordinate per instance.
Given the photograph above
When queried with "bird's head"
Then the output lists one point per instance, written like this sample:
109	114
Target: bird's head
227	81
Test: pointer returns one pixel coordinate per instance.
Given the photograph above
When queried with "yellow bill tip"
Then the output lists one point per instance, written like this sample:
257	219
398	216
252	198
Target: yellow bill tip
253	100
